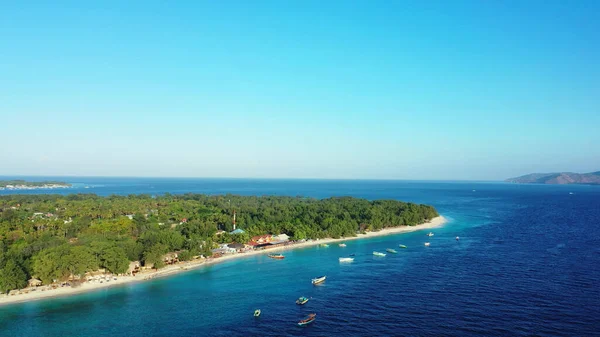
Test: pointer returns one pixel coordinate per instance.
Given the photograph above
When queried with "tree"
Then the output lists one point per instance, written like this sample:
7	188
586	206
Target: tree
80	260
154	256
185	255
115	260
12	277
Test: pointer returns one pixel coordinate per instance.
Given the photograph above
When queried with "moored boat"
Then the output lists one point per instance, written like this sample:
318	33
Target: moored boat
427	244
346	259
256	312
301	300
324	245
402	246
390	250
342	245
319	279
276	256
378	254
309	319
430	234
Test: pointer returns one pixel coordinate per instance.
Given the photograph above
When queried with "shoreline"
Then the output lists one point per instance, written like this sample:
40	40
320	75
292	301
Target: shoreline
190	265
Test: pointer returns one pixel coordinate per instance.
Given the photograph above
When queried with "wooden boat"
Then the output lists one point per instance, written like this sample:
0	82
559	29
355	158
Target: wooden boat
301	300
319	279
346	259
390	250
309	319
342	245
256	312
276	256
427	244
378	254
402	246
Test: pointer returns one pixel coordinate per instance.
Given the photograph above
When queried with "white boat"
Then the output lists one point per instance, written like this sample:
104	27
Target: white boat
346	259
426	244
342	245
430	234
457	238
378	254
319	279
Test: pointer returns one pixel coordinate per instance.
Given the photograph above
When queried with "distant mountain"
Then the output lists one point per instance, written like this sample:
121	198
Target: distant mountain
561	178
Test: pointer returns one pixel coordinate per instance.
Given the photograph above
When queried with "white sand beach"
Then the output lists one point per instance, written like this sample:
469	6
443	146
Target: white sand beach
39	293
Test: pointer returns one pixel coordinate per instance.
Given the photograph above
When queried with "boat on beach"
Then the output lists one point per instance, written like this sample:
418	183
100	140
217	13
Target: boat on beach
276	256
309	319
346	259
324	245
390	250
319	280
301	300
256	312
378	254
402	246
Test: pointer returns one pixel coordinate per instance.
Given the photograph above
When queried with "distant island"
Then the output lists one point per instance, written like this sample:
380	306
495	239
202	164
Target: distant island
30	185
560	178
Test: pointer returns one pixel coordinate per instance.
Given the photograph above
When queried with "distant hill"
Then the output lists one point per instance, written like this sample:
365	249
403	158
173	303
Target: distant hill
561	178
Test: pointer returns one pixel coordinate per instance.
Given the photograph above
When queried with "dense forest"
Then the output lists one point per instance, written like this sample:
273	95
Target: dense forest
53	237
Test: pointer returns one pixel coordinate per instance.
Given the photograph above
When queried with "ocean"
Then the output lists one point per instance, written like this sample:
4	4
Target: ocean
527	264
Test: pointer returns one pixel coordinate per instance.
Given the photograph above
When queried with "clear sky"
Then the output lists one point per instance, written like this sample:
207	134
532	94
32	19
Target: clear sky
306	89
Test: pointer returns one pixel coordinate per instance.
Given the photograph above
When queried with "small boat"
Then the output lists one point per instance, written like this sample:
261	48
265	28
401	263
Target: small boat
301	300
390	250
352	255
430	234
276	256
342	245
319	279
457	238
324	245
346	259
426	244
309	319
378	254
402	246
256	312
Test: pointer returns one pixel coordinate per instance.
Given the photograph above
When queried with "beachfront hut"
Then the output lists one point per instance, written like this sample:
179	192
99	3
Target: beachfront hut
34	282
283	237
171	258
134	267
237	246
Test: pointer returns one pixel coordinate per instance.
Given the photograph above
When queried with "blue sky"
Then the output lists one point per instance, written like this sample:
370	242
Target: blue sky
477	90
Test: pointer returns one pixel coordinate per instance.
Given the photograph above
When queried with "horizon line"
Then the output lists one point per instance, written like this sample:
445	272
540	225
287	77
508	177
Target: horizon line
247	178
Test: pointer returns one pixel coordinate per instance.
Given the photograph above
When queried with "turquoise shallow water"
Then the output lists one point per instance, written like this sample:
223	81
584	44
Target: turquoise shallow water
526	264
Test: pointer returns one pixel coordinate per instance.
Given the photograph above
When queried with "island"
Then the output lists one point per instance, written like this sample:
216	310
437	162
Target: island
31	185
55	244
561	178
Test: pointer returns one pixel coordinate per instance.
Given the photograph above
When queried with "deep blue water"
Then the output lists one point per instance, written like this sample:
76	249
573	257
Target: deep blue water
528	263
